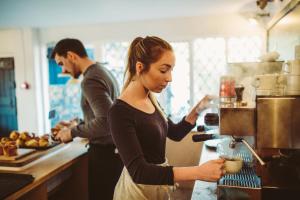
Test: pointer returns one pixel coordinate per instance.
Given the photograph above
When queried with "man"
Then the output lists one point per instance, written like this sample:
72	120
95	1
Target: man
99	90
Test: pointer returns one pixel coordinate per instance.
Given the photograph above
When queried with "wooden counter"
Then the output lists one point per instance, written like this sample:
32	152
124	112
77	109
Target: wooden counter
205	190
60	175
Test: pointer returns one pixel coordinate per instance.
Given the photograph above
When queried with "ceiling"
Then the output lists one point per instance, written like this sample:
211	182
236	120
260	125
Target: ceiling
49	13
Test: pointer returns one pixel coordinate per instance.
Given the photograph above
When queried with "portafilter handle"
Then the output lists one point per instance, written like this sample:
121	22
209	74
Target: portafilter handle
232	145
203	137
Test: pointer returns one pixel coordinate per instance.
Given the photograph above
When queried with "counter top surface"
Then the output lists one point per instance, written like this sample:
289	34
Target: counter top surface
50	164
205	190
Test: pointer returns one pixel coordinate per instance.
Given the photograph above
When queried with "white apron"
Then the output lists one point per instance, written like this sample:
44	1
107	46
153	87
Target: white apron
126	189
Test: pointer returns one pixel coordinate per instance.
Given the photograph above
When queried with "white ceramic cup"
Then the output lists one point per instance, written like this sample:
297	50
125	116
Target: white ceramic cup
233	165
292	67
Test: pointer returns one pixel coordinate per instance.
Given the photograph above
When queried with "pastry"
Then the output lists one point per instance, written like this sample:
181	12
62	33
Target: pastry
20	142
32	143
25	136
14	135
45	137
43	143
4	140
10	149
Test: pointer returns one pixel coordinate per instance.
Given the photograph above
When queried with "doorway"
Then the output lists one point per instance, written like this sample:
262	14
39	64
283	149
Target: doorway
8	103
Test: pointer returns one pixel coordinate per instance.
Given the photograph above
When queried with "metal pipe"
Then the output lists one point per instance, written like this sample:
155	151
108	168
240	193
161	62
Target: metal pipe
253	152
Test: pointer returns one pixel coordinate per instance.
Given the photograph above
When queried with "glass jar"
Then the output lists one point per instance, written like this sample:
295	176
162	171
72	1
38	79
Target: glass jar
227	91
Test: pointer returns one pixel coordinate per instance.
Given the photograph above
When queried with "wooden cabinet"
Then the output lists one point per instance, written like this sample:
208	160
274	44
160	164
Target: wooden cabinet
62	175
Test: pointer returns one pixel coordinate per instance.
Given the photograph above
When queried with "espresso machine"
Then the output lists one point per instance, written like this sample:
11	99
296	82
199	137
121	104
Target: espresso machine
272	162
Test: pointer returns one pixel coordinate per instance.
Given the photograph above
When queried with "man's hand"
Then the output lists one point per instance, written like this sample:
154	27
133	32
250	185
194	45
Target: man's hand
64	135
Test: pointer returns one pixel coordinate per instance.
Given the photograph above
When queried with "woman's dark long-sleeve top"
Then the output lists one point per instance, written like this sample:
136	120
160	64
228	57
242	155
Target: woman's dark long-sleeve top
141	141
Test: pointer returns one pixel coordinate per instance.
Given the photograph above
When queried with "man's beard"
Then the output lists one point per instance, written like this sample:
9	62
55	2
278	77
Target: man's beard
76	76
76	72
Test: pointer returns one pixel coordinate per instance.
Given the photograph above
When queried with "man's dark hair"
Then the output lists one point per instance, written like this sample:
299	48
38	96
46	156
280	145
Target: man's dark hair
69	44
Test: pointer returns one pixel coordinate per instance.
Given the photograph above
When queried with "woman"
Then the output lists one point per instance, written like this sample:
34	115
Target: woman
139	127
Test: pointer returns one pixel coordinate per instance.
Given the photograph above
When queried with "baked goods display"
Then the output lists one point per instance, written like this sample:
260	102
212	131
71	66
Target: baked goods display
24	140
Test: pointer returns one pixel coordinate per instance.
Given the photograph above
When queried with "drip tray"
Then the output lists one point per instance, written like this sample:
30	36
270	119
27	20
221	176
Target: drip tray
244	185
10	183
245	178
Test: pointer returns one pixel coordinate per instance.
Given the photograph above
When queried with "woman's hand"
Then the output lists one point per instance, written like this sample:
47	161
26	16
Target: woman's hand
203	104
212	170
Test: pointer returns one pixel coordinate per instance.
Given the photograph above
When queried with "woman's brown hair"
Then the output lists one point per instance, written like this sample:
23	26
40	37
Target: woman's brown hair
146	50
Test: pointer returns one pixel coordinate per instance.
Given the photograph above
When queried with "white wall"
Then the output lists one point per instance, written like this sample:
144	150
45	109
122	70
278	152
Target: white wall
20	44
28	46
169	29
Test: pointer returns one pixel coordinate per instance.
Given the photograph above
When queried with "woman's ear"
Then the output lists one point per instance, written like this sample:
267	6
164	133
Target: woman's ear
139	68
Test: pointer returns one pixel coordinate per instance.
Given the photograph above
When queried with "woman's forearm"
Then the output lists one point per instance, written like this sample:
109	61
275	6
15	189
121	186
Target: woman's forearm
209	171
185	173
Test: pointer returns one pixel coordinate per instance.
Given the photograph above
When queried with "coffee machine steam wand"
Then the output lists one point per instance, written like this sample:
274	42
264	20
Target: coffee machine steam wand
236	140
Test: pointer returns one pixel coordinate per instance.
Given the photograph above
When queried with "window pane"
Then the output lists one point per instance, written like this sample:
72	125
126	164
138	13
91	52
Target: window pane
114	54
209	64
179	89
244	49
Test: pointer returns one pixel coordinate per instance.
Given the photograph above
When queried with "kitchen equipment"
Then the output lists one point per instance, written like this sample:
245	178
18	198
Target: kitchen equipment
237	121
239	89
269	84
292	75
242	185
278	122
269	56
275	124
211	119
273	127
212	144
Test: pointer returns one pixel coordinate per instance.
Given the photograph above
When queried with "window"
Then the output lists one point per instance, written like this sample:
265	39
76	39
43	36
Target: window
199	65
114	55
177	94
244	49
64	93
